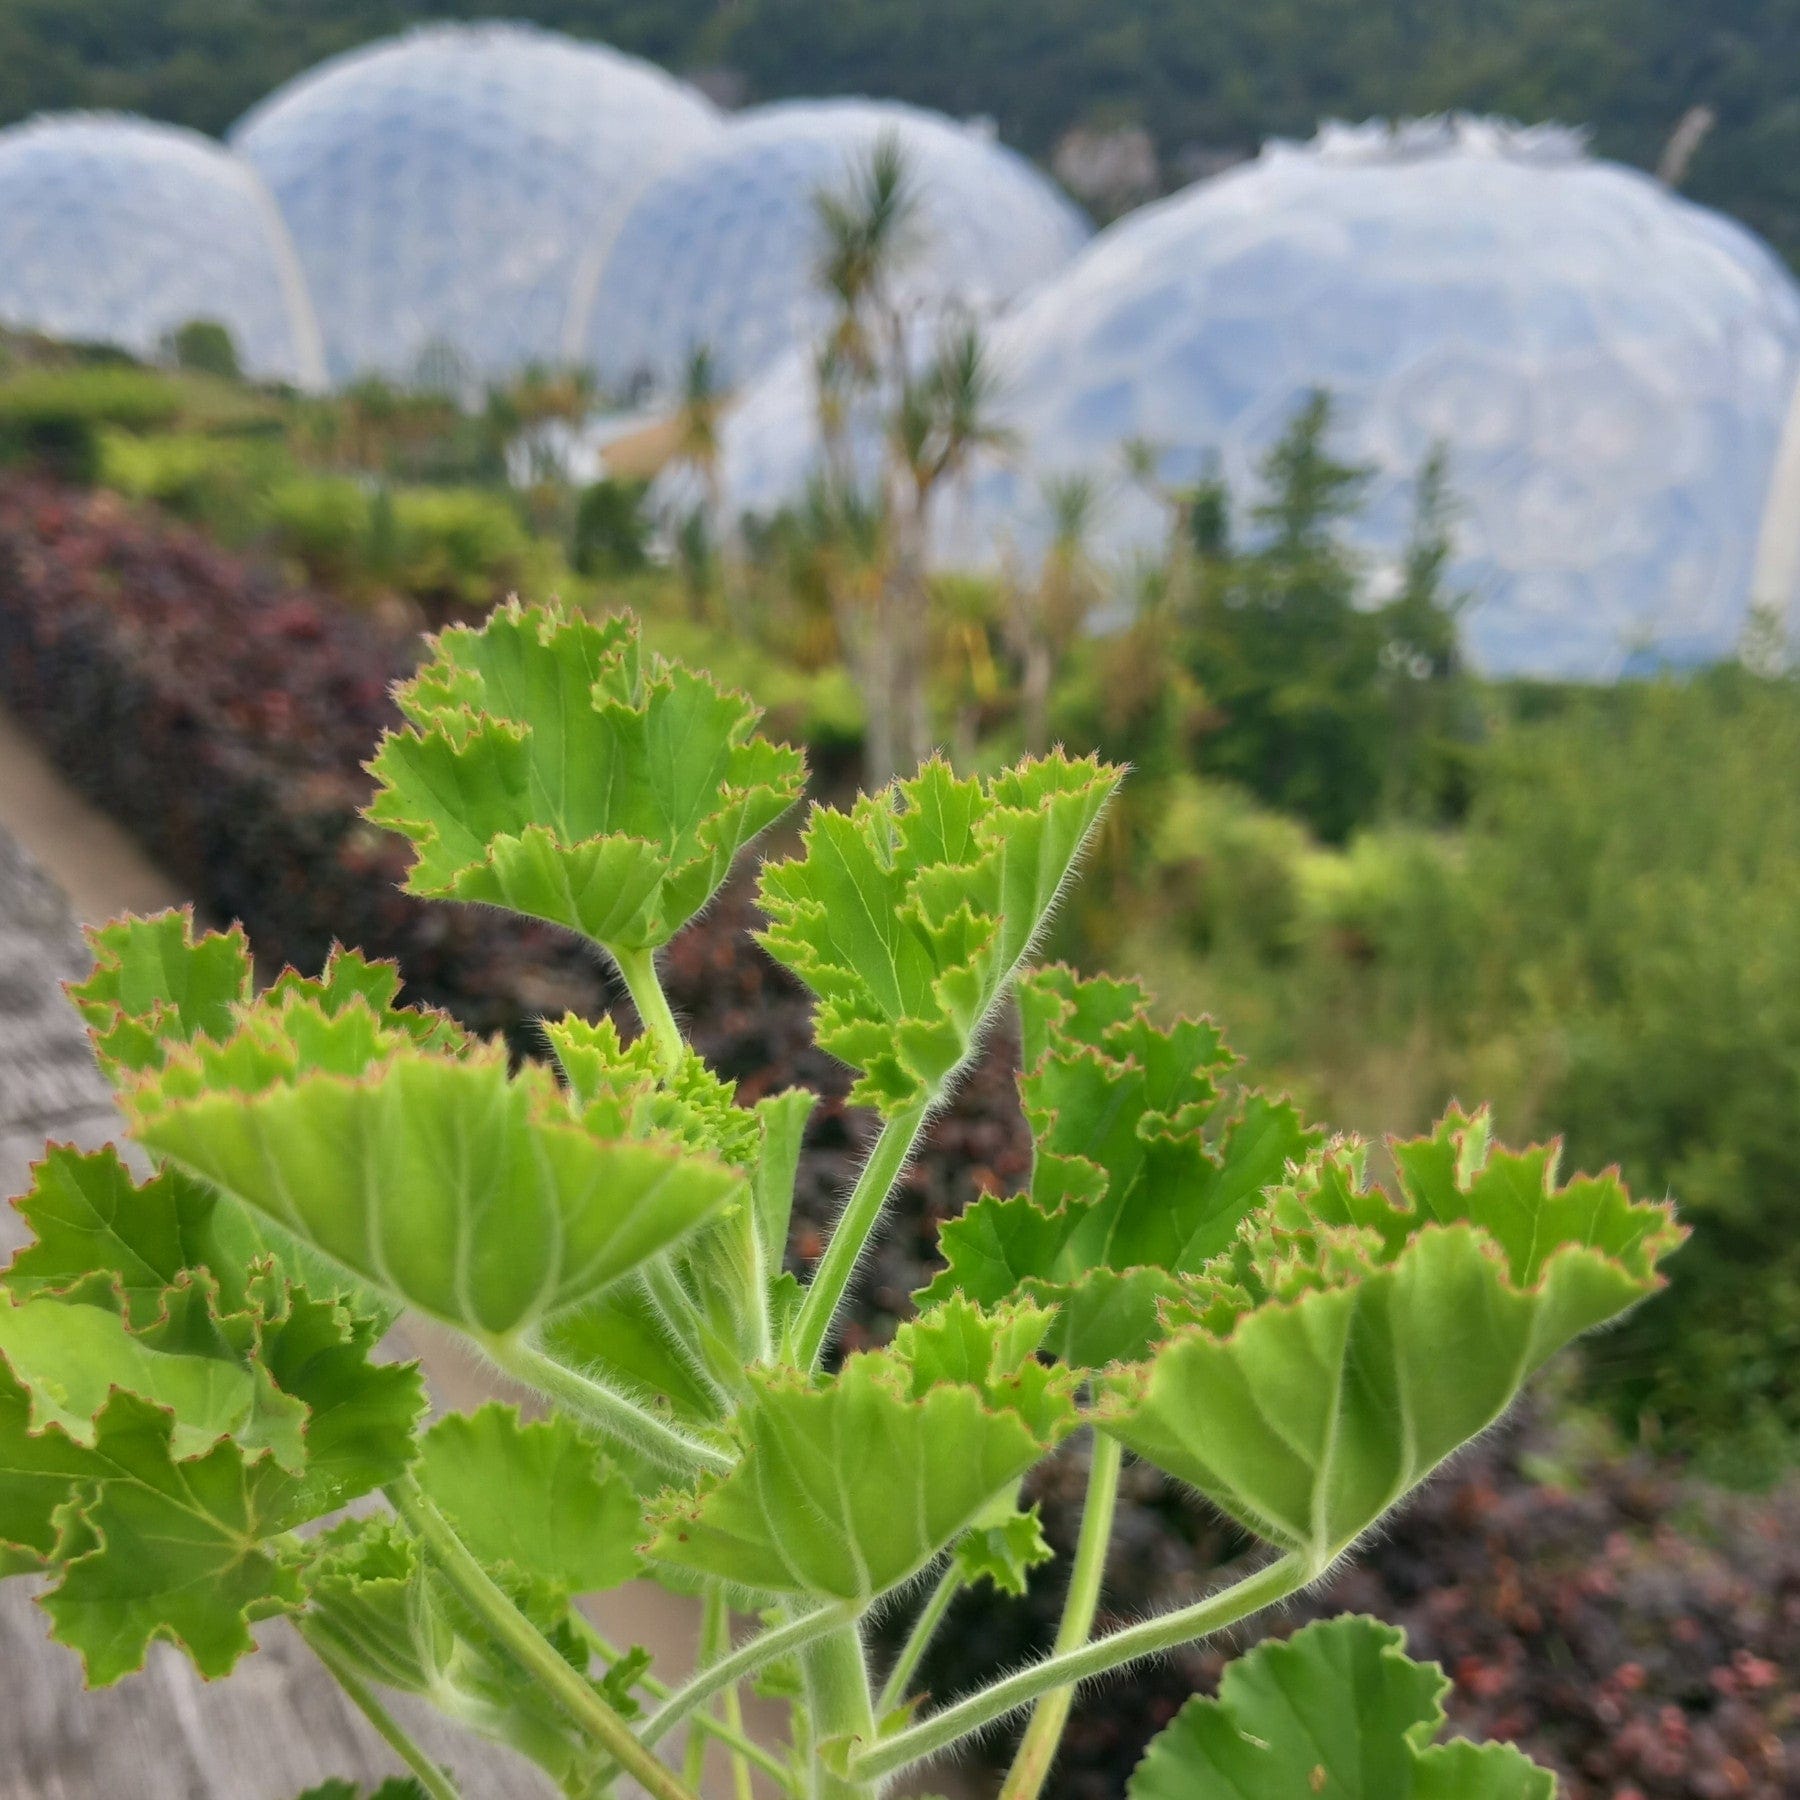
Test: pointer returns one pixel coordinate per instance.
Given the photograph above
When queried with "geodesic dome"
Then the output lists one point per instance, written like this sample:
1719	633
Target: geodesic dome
721	250
117	230
455	189
1606	364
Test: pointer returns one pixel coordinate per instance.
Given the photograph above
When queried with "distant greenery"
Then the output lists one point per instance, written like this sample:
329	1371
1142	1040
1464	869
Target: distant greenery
1195	72
1606	946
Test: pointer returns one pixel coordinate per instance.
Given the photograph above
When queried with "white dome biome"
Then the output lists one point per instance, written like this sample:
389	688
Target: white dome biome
721	251
1607	366
450	190
116	230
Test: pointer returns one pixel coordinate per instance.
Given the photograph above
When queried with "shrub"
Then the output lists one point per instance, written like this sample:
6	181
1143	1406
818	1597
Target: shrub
457	548
323	522
612	533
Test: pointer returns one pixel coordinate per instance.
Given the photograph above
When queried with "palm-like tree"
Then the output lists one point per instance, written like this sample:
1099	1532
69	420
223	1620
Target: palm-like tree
1051	614
698	420
944	416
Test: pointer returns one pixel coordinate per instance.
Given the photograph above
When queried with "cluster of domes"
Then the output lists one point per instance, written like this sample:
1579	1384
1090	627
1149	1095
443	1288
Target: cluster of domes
489	197
1606	366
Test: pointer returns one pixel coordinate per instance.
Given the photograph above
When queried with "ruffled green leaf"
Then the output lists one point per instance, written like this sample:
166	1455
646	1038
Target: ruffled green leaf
851	1484
1140	1174
909	915
540	1498
69	1356
1337	1712
89	1216
1004	1552
551	767
1346	1345
157	1546
155	985
472	1194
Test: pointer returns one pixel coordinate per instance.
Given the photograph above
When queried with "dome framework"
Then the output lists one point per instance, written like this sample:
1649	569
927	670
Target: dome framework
118	230
721	251
454	187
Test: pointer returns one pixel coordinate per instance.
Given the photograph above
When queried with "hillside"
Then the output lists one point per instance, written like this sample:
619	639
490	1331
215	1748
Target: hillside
1205	77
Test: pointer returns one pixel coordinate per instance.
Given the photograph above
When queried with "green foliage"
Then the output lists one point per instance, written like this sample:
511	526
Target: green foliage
909	914
223	483
1143	1175
538	1499
459	547
54	419
887	1462
190	1369
1341	1349
1322	704
612	535
205	347
1337	1711
549	766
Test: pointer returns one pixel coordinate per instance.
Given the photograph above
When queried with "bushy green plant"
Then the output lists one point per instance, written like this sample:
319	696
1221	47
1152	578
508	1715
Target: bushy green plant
1325	700
205	346
52	419
221	483
324	523
187	1362
459	547
612	534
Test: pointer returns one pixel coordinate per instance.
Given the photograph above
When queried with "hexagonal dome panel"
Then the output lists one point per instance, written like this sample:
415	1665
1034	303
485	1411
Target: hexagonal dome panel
455	189
720	251
116	230
1607	365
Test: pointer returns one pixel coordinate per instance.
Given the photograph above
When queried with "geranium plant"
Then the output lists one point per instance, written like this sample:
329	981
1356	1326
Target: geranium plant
191	1395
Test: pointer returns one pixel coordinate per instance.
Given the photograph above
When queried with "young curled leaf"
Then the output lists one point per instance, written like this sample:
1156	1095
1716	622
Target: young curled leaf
374	1603
155	985
885	1466
909	915
1337	1712
551	767
1346	1345
1141	1173
472	1194
1003	1551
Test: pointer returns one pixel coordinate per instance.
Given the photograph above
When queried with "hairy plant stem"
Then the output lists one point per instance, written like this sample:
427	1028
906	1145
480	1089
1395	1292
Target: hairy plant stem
730	1733
918	1640
778	1640
1285	1576
638	967
715	1640
837	1695
530	1649
431	1778
666	1445
1037	1749
850	1235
